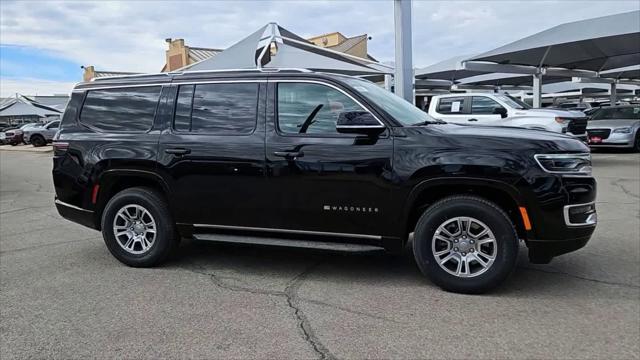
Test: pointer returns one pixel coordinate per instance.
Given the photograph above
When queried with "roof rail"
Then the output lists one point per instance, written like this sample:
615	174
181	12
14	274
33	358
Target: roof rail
266	70
126	76
186	72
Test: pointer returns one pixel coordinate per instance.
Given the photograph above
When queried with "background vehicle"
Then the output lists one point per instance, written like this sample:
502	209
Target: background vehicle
16	136
615	126
574	105
296	158
40	136
503	110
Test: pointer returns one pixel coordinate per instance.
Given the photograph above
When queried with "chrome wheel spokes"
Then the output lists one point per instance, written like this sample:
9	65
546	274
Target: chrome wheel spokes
134	229
464	246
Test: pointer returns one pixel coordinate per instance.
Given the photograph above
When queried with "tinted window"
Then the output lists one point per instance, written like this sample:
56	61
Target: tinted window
483	105
311	108
222	108
452	105
54	125
128	109
182	120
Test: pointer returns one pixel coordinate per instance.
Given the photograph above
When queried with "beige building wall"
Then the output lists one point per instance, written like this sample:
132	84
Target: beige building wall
326	40
177	55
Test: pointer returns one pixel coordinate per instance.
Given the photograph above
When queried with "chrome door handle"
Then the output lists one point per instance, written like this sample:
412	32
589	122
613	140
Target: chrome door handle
289	154
177	151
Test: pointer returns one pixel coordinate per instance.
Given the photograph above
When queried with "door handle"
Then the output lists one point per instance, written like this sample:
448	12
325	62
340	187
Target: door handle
472	120
177	151
289	154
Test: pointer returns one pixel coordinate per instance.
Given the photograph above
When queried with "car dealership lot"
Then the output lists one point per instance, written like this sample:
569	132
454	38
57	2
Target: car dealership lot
64	296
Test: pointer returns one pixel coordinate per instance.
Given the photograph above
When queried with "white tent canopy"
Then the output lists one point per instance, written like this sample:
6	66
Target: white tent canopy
23	106
273	46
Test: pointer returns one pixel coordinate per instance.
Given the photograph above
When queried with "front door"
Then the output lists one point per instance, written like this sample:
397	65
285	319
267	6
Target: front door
484	111
212	153
320	180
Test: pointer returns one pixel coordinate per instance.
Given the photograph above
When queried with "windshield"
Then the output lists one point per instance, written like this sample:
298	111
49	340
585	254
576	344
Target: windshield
513	102
401	110
618	113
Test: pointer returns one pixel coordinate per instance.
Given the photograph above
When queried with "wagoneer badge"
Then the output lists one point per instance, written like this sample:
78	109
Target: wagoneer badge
364	209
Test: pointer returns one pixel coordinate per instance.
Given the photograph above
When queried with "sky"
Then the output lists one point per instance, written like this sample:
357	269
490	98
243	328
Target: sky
44	43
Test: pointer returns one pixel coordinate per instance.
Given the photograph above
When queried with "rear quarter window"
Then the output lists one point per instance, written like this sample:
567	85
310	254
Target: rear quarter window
121	109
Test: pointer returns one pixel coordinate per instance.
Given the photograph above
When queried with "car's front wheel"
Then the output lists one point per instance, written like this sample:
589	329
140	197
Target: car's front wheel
465	244
137	227
38	140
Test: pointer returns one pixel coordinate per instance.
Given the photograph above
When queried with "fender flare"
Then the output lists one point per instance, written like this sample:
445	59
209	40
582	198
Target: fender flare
424	185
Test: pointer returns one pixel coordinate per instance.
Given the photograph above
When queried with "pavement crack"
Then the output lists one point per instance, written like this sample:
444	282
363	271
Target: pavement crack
291	293
624	189
582	277
217	281
345	309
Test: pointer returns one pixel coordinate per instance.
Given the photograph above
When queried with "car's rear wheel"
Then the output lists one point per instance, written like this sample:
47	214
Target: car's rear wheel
465	244
137	227
38	140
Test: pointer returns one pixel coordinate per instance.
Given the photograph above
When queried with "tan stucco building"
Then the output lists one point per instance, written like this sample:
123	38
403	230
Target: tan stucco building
179	55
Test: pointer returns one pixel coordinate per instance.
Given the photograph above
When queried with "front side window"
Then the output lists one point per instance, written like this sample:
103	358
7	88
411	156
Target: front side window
452	105
305	108
483	105
121	109
221	109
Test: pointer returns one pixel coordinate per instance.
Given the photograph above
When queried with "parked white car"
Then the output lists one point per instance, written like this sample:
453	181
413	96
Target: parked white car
504	110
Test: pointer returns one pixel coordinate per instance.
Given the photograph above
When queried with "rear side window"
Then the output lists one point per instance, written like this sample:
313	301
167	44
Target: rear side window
221	109
452	105
122	109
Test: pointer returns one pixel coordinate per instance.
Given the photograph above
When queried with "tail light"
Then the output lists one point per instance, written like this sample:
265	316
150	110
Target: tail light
60	147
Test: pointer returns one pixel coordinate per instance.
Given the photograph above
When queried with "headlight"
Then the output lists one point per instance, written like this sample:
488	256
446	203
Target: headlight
623	130
566	164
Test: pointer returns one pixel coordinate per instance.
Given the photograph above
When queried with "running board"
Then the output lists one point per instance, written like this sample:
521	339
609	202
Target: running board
270	241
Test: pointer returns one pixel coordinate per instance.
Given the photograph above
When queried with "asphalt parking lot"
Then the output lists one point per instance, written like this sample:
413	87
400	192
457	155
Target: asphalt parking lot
64	296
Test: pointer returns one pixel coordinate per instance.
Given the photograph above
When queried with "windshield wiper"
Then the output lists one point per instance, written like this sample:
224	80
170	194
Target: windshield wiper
428	122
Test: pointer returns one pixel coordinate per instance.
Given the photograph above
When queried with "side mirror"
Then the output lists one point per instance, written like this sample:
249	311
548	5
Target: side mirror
500	111
358	122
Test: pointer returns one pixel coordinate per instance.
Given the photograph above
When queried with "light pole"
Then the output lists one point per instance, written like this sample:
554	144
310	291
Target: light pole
403	77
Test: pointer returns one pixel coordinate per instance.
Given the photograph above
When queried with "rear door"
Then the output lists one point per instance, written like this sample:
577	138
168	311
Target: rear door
212	152
453	109
483	110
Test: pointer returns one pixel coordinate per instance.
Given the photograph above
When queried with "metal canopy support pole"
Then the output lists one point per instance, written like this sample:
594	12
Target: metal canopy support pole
537	90
388	82
614	94
403	79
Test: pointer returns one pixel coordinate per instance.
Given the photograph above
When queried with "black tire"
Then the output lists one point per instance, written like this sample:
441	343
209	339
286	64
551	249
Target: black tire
13	143
38	141
637	143
478	208
165	238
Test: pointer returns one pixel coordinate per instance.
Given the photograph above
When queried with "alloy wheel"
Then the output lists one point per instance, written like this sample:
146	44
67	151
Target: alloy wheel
134	229
464	247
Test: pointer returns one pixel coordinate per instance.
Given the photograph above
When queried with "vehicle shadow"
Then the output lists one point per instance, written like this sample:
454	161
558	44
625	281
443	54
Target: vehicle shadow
256	265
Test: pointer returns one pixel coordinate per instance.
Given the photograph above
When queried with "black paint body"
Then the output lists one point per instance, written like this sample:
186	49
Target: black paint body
346	184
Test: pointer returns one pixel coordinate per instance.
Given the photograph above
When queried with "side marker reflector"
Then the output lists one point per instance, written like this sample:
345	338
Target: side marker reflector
94	194
525	218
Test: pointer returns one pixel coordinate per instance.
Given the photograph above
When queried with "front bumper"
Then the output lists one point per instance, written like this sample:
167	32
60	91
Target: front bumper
615	140
563	216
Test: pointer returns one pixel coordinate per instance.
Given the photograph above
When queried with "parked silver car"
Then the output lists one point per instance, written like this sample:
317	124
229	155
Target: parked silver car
40	136
615	126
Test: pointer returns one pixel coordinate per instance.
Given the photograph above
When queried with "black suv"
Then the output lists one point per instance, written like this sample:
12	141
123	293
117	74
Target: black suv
294	157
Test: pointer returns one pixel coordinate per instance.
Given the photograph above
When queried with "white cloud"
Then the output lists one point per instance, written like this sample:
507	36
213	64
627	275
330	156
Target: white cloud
26	86
129	36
